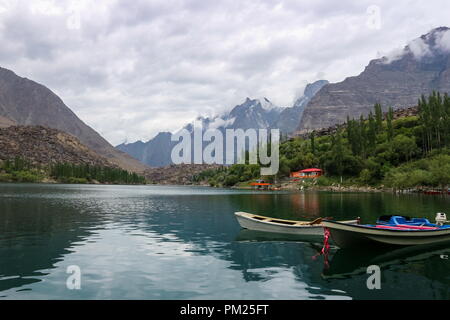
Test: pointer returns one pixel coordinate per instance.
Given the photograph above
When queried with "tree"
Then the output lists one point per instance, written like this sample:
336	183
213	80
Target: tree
313	144
390	128
379	117
404	148
371	132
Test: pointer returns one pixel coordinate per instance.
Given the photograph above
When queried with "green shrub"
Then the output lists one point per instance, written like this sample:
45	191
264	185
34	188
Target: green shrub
6	177
26	176
73	180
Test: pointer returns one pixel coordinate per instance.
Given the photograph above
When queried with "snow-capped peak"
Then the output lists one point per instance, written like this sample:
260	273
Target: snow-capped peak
266	104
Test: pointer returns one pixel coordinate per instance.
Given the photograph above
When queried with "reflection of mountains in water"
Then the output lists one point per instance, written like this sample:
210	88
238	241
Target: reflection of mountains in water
415	272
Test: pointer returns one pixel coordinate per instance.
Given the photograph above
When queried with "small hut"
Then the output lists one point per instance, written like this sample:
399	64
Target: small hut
307	174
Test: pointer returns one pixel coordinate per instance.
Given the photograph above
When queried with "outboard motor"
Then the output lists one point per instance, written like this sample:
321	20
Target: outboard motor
441	218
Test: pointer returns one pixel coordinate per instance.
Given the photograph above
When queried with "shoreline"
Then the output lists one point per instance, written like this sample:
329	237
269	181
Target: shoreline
353	188
67	183
284	187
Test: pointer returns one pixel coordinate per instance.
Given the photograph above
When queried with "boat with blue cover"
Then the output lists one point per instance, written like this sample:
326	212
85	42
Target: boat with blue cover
390	230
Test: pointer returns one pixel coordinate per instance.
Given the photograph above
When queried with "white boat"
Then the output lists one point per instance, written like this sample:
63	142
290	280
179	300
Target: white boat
345	235
261	223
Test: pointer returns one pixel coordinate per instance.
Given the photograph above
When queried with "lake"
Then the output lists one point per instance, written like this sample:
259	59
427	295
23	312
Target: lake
171	242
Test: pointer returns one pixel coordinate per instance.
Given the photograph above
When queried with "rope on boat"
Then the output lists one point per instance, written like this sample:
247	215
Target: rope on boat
326	248
326	244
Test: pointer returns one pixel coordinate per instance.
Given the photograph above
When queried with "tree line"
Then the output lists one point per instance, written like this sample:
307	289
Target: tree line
69	171
21	170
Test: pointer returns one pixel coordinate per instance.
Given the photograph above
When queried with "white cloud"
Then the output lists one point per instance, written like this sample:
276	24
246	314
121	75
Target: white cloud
419	48
134	68
443	40
221	123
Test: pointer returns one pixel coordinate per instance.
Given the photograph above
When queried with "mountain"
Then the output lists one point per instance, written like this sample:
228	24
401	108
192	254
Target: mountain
180	174
42	146
156	152
251	114
397	80
290	117
25	102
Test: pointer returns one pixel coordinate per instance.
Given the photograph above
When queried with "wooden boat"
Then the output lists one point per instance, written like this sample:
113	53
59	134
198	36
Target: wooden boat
398	231
260	223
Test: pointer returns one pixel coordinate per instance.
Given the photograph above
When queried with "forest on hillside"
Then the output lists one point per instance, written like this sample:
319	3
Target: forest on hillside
21	170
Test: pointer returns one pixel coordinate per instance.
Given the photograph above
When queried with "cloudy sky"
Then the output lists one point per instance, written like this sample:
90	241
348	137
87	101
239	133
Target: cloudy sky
133	68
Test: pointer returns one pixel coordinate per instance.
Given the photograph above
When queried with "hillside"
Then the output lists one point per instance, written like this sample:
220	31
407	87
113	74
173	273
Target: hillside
41	154
396	81
25	102
39	145
182	174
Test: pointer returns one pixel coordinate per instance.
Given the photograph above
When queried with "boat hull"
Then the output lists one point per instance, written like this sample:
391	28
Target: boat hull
266	224
346	236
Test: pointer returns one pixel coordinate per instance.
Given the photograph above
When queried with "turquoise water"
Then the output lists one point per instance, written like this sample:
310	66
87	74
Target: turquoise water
155	242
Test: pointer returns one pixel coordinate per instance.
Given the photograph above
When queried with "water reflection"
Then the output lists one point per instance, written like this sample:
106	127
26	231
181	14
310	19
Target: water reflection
418	272
184	243
34	236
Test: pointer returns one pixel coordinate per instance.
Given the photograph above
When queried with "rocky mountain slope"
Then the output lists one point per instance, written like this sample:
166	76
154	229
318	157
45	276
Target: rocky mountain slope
253	113
290	117
397	80
181	174
25	102
42	146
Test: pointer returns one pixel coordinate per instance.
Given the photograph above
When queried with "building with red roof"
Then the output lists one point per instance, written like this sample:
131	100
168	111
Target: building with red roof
307	173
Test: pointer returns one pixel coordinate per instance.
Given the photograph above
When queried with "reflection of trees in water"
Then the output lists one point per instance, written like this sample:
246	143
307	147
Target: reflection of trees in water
213	229
415	272
34	235
252	257
368	206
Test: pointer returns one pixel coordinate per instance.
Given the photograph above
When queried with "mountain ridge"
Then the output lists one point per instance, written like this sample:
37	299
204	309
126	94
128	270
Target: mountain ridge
398	81
251	114
41	146
26	102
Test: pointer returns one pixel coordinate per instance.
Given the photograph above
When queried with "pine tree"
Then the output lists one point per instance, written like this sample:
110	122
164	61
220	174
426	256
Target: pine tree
379	117
371	132
390	128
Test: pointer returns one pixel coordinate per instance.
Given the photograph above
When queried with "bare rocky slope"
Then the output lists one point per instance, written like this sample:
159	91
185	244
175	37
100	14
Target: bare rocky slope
25	102
40	145
397	81
181	174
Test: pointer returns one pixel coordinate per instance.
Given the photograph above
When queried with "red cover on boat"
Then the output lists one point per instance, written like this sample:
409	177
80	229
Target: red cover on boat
405	226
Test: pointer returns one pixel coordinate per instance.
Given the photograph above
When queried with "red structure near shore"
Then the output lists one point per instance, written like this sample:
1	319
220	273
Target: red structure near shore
307	174
261	185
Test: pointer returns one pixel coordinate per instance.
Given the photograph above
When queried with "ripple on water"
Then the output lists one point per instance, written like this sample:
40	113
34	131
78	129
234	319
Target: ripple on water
155	242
